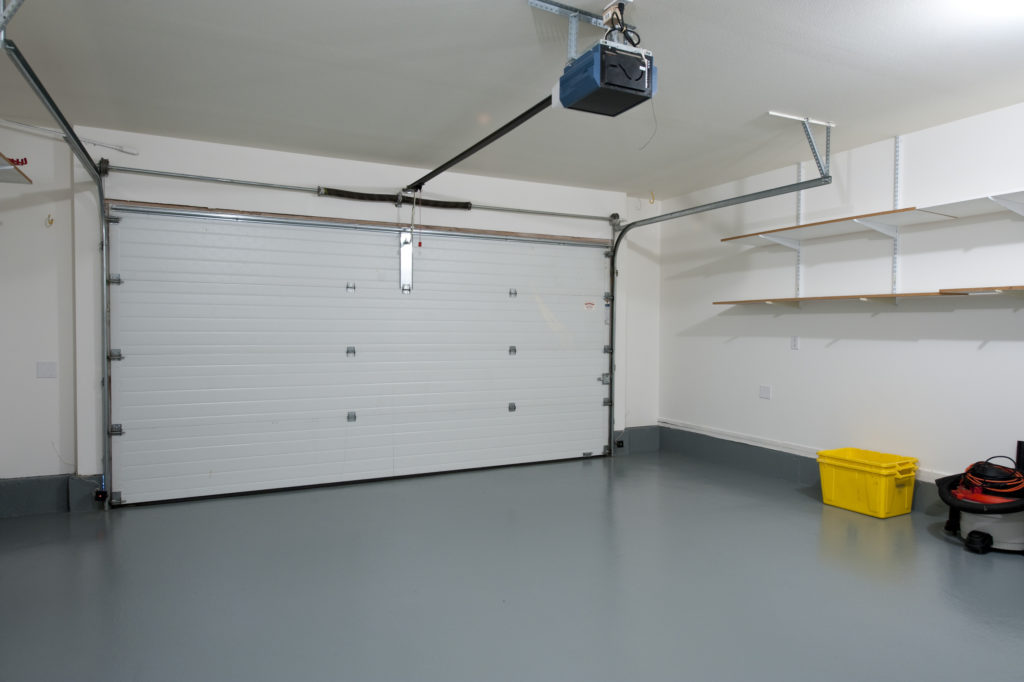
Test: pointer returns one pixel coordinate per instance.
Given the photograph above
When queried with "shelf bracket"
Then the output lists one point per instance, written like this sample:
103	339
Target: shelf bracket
782	241
1009	204
893	233
890	231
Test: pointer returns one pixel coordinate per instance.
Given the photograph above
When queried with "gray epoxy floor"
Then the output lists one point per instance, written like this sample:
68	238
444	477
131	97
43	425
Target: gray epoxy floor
646	567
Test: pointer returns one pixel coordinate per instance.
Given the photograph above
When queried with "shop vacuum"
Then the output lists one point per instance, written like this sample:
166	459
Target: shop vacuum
986	505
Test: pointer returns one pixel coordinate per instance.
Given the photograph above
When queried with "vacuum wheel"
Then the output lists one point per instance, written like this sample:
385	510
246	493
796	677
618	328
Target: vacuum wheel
978	542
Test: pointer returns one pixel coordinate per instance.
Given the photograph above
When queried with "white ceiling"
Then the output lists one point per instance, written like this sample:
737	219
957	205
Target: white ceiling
413	82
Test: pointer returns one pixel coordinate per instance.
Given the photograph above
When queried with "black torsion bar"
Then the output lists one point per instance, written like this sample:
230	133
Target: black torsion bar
392	198
500	132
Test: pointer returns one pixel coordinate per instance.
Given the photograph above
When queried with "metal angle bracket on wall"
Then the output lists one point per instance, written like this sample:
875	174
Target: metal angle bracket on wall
824	164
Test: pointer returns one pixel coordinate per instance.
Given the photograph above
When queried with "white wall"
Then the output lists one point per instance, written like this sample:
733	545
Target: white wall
37	415
66	260
933	379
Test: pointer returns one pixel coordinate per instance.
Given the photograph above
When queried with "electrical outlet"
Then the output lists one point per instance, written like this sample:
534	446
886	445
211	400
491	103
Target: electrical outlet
794	343
764	392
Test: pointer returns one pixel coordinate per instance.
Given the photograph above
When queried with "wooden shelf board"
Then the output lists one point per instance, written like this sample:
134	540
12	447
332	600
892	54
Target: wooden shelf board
1015	289
851	297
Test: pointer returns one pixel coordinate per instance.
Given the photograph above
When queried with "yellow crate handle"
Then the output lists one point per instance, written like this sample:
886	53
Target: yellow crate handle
903	472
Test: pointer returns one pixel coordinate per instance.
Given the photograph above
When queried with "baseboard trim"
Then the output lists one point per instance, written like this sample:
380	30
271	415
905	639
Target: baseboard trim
925	475
771	458
47	495
736	437
638	439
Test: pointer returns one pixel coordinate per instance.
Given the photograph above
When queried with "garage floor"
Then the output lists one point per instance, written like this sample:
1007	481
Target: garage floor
646	567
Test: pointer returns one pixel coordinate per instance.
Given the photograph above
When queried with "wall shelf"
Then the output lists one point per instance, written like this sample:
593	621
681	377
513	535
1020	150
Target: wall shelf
1012	203
797	300
1009	290
1014	290
889	224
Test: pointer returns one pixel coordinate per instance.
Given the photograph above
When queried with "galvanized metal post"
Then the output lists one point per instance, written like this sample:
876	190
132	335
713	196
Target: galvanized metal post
896	171
799	285
896	200
574	29
8	14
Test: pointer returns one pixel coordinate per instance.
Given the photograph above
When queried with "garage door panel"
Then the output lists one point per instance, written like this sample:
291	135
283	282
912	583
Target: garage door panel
237	377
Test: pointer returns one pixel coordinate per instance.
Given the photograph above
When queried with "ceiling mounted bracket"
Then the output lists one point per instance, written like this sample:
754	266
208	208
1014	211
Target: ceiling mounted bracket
8	14
824	165
575	15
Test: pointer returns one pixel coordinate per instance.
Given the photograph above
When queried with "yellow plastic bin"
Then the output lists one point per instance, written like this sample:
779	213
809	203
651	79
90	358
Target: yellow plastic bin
872	483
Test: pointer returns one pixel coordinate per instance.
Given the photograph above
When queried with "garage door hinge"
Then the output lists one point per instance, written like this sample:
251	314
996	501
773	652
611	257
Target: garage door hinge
350	351
512	350
607	402
113	219
512	293
351	416
588	454
115	279
608	297
350	286
605	378
116	430
511	407
115	354
608	350
608	254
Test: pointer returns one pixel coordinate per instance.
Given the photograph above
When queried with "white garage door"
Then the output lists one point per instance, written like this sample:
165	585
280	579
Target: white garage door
262	355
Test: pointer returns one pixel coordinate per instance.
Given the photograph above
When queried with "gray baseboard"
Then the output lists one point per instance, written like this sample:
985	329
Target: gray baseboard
638	439
47	495
800	470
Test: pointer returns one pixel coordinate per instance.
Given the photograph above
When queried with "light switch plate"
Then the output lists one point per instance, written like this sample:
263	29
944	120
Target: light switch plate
764	392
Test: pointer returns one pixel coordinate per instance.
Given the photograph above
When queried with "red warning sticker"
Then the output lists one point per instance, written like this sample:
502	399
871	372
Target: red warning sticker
589	305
